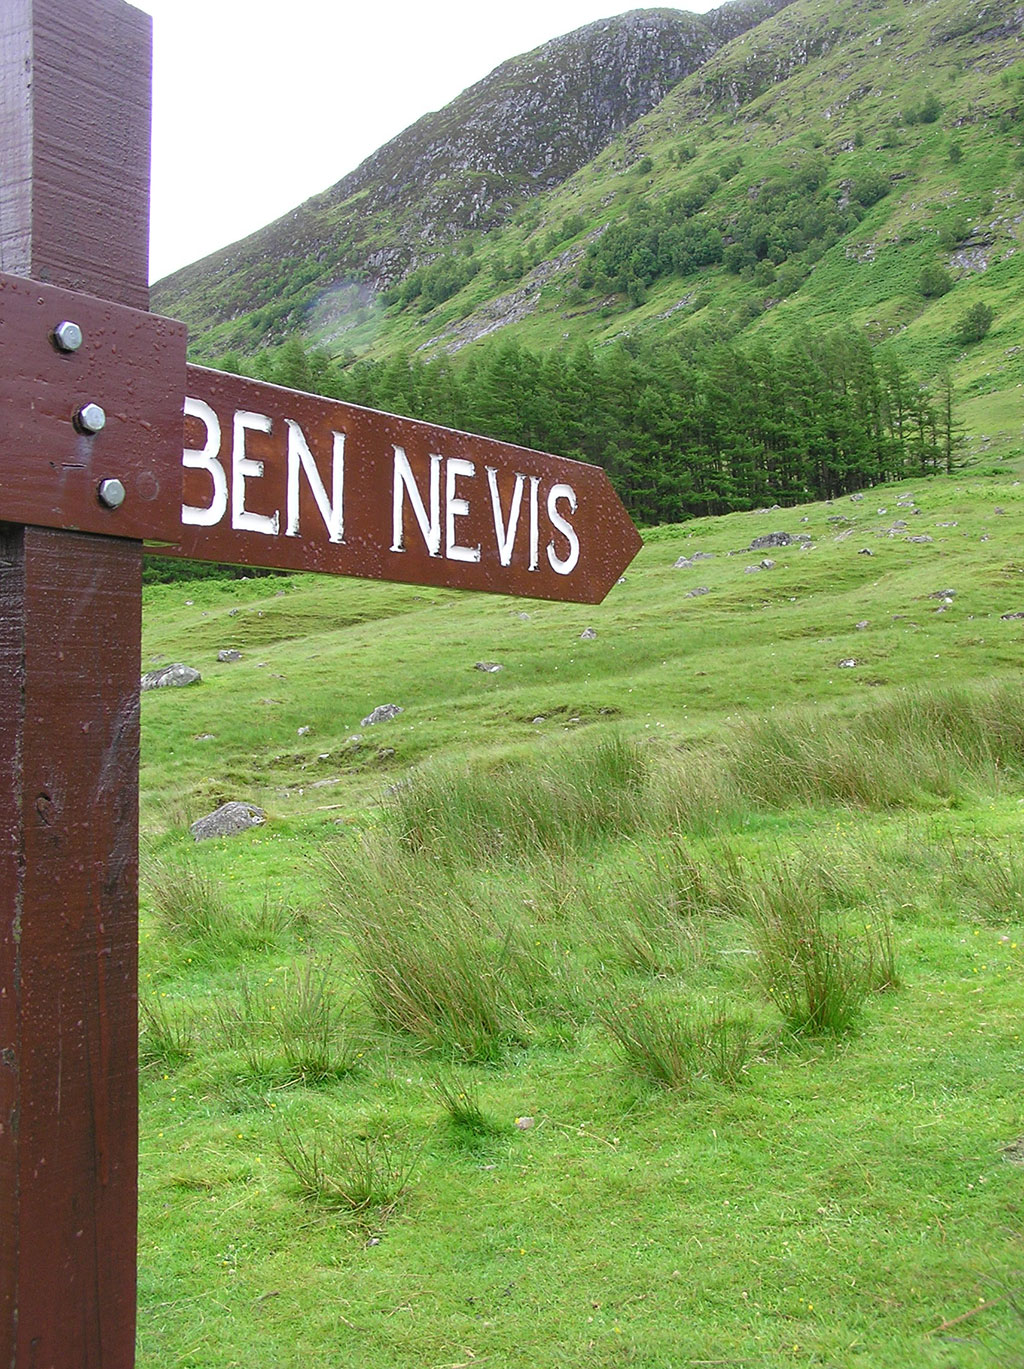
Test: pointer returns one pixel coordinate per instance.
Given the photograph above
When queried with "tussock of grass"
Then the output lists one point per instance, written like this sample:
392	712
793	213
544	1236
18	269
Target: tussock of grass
537	809
168	1034
470	1126
291	1028
814	971
988	882
194	908
943	745
363	1178
431	966
678	1048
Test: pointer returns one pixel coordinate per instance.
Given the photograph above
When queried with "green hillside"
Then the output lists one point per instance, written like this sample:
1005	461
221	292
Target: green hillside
853	163
647	989
653	999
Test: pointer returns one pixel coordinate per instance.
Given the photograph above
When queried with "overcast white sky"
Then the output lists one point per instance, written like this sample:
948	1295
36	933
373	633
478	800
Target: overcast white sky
258	105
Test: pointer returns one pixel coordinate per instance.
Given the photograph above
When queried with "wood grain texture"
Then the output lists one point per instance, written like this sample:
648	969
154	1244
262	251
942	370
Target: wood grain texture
75	79
74	130
132	364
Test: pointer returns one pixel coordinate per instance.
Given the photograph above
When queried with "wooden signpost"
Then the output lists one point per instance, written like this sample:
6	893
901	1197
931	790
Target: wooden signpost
109	441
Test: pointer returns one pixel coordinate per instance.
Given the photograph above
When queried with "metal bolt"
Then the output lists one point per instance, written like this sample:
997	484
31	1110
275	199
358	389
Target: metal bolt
67	336
111	494
90	419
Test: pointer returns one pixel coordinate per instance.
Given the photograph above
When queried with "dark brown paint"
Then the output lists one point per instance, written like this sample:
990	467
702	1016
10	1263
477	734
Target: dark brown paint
130	363
74	196
608	540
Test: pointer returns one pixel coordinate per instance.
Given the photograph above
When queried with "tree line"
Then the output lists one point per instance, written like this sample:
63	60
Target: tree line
683	428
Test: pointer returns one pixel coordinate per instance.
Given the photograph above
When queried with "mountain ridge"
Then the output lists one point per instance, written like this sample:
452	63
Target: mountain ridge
524	128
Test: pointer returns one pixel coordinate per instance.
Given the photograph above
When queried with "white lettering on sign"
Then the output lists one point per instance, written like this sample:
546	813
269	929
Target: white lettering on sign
244	468
457	508
505	533
405	490
452	484
300	461
534	529
331	510
405	483
563	565
205	459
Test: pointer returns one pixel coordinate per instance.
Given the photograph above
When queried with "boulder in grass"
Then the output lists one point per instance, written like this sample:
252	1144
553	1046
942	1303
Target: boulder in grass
228	820
383	713
170	677
770	539
229	654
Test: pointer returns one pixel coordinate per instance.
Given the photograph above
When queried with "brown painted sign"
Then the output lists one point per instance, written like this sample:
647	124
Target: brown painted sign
277	478
89	391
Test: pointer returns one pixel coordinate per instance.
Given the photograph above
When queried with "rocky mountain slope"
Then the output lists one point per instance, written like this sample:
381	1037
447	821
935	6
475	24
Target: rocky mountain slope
824	163
522	130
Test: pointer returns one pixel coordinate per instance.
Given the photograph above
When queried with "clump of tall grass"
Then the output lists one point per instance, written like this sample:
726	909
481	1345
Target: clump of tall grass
363	1178
985	880
192	906
185	897
536	807
291	1028
940	744
450	980
651	914
442	956
678	1049
470	1126
167	1034
814	970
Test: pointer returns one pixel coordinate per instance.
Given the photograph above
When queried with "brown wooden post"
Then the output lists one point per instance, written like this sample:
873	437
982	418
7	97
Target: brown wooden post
74	211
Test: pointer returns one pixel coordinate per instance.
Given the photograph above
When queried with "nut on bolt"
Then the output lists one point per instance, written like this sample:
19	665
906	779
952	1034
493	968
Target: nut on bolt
90	419
67	336
111	494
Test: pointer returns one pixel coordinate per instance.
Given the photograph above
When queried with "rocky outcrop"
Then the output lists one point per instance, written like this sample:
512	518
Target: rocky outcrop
525	128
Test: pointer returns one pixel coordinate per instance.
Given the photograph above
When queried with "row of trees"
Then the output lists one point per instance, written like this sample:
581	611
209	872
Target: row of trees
682	428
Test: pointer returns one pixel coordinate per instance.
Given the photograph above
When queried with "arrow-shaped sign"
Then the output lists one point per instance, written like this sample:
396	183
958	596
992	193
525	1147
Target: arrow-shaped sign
92	396
278	478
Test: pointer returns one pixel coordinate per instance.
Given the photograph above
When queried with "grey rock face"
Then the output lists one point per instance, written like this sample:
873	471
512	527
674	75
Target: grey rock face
383	713
228	820
229	654
170	677
771	539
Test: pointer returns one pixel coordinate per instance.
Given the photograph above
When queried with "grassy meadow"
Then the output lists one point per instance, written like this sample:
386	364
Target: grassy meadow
654	1000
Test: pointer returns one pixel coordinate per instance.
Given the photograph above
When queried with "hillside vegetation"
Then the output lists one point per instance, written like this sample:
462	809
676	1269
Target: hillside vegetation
654	999
646	990
855	164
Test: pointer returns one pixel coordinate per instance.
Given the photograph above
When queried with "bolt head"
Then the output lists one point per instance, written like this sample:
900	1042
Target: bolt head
67	336
111	494
90	419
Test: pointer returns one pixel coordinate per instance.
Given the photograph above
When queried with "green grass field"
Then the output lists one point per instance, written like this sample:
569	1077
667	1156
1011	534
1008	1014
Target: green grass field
654	1000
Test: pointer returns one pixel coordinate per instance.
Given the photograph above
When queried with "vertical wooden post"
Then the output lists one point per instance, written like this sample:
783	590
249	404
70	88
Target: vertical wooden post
74	211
